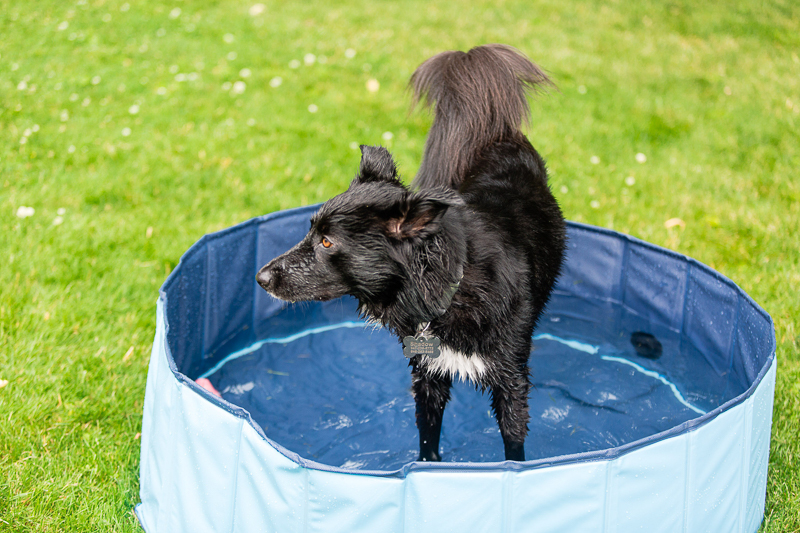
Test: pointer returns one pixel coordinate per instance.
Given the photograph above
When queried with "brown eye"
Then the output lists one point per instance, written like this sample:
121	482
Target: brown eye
326	243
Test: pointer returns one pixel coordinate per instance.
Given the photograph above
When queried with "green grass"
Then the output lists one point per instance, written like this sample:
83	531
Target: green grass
710	94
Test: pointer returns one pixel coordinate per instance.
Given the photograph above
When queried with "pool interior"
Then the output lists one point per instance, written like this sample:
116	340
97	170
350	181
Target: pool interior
337	391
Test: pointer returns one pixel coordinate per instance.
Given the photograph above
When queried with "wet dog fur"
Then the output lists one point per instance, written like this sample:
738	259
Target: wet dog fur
480	218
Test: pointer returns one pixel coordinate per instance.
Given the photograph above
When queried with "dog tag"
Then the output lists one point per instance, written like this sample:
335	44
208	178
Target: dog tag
427	346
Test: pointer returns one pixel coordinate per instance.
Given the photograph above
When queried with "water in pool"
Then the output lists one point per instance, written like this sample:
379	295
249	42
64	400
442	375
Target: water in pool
337	391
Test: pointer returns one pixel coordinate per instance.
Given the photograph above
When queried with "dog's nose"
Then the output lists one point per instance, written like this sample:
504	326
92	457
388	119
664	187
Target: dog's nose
264	277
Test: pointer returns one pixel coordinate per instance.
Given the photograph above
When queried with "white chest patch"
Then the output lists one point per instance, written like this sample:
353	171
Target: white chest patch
454	363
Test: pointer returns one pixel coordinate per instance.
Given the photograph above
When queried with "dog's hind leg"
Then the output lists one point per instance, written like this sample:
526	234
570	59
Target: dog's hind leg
431	394
510	405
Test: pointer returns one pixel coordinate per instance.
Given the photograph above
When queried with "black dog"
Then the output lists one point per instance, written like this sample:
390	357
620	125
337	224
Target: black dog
462	268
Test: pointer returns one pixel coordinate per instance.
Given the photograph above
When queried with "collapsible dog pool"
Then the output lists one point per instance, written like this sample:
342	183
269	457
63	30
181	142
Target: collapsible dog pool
651	409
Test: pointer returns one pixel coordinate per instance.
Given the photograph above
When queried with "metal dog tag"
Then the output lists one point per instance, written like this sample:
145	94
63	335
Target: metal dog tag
427	346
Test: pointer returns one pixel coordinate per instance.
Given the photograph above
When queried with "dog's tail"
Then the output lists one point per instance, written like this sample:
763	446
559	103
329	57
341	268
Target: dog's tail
479	97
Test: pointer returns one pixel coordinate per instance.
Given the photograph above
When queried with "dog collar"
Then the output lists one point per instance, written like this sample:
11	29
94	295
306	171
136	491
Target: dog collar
422	343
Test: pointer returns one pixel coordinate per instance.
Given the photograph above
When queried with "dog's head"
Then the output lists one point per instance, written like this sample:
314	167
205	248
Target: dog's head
361	240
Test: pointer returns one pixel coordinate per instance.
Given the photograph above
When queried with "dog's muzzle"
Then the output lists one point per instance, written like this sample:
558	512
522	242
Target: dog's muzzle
266	278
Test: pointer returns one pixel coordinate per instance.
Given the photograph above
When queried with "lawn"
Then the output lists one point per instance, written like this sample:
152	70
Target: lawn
130	129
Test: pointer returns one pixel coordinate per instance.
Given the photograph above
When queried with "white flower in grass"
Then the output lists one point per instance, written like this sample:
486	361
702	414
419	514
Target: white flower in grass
564	189
35	128
3	383
21	86
227	86
629	181
61	211
350	53
294	63
309	59
251	122
582	89
641	158
25	211
245	73
594	160
161	91
71	149
275	82
228	38
387	136
134	109
180	77
672	222
373	85
313	108
125	7
238	87
64	115
595	204
63	26
175	13
126	132
354	145
232	56
257	9
96	80
58	221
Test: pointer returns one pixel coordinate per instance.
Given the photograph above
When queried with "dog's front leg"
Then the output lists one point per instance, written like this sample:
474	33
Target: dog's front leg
431	394
510	405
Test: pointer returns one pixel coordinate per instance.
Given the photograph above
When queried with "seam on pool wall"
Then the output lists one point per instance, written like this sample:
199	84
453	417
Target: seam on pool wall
236	474
744	484
623	277
306	502
686	481
606	497
732	349
256	248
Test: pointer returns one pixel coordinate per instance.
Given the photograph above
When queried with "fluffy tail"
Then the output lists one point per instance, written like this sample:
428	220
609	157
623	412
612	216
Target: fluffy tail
479	98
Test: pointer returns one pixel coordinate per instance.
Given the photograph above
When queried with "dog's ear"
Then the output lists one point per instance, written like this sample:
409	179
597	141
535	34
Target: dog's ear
376	165
421	213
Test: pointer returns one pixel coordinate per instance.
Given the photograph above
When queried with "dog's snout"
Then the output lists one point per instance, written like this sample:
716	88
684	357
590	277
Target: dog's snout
266	277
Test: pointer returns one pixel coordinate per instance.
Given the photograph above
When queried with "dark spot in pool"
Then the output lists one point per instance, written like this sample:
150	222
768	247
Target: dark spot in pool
646	345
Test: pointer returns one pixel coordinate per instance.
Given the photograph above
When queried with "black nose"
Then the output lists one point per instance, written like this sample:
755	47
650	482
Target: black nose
265	277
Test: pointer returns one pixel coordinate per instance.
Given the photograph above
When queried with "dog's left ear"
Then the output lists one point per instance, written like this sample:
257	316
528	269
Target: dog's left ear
376	165
421	213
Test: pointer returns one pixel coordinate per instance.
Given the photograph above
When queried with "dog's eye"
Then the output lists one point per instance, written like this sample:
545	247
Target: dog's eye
326	243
